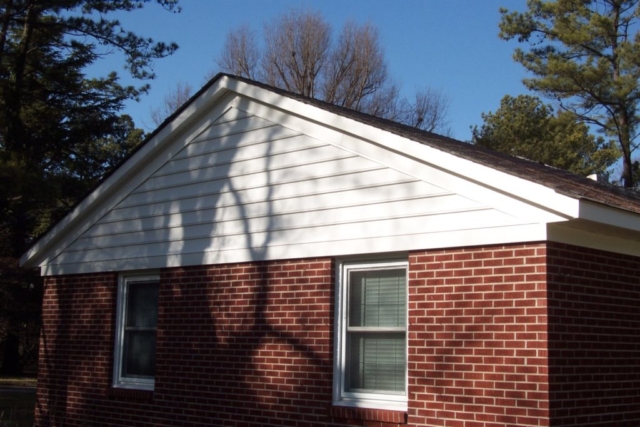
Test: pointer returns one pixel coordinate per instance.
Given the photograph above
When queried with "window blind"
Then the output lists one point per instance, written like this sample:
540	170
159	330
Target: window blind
376	331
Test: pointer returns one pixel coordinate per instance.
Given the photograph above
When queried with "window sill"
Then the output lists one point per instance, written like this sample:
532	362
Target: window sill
130	393
369	402
368	414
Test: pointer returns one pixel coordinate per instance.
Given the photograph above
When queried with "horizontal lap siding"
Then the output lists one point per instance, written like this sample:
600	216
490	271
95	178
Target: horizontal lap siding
234	221
246	182
594	337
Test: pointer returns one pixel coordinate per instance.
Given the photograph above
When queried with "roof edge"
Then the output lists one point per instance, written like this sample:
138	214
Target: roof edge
106	186
556	190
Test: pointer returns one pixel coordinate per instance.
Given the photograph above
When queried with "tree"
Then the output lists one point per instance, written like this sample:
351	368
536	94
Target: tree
297	47
301	56
172	101
428	111
240	55
356	69
526	127
59	130
585	54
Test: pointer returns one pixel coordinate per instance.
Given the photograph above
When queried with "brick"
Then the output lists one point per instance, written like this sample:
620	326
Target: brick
576	334
252	344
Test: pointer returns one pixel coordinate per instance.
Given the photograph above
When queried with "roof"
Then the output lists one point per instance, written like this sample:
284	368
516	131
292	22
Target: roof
561	181
563	194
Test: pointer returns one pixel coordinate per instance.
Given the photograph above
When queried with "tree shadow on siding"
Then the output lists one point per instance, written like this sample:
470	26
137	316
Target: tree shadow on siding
216	360
241	360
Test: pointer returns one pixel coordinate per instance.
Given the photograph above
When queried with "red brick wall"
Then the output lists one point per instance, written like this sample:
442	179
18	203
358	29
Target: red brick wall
246	344
238	345
477	351
594	337
76	346
252	345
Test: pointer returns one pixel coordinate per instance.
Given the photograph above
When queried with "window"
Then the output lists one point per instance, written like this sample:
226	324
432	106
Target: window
371	343
137	321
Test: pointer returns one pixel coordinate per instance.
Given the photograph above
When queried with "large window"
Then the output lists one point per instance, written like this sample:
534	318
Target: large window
137	320
371	344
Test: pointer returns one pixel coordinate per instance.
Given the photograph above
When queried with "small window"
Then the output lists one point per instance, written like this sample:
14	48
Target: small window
137	322
371	358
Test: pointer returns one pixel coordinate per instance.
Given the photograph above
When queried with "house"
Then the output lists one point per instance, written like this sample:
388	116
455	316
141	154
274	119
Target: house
266	259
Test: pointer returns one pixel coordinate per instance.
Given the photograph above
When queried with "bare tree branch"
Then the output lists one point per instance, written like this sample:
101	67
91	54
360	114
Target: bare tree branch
428	111
297	46
240	55
172	101
357	68
350	70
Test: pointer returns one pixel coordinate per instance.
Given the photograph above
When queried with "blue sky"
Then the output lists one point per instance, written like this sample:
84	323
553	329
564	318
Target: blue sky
450	45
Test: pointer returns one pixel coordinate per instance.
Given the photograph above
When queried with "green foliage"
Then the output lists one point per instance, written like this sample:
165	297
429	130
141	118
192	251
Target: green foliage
586	55
59	130
525	127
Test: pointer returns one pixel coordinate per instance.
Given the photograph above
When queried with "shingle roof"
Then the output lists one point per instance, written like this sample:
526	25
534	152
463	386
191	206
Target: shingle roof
561	181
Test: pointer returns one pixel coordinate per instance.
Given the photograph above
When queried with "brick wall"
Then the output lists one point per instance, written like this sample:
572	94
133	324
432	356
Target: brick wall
246	344
76	345
477	351
252	345
238	345
594	337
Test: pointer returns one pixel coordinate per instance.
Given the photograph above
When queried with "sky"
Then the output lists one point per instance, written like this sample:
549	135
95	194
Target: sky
448	45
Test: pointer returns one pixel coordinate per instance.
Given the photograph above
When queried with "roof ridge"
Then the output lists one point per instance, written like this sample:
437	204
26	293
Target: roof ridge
561	181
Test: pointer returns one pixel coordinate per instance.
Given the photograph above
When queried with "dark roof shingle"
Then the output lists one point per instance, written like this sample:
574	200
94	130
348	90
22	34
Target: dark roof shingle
563	182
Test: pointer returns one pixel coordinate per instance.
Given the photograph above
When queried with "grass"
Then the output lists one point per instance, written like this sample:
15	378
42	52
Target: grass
17	382
17	405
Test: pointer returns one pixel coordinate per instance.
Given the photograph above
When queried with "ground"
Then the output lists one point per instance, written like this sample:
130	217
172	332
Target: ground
17	401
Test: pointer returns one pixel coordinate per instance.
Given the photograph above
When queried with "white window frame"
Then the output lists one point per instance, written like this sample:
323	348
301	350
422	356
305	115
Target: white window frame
120	380
342	397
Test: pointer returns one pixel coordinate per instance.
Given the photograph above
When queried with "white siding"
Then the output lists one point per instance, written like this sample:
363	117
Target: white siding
248	188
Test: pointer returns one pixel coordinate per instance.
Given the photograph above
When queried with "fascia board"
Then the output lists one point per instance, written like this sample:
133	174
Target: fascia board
70	226
603	214
530	192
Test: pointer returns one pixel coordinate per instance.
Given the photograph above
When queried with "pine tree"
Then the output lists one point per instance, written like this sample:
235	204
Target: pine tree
586	55
59	130
526	127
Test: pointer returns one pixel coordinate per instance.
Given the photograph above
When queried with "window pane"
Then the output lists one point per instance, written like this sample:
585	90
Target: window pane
139	354
377	298
376	362
142	305
141	320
